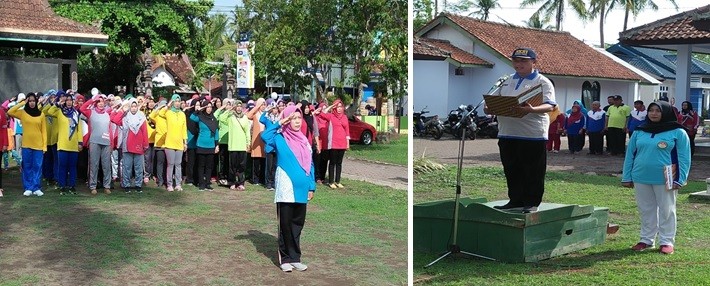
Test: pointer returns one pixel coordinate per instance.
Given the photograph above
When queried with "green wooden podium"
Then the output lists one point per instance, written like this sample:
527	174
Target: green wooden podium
555	229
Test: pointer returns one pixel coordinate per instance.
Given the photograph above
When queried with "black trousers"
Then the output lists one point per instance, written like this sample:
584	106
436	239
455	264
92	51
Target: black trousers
316	164
223	162
323	164
336	165
270	170
237	166
616	138
575	142
257	170
524	165
82	165
205	164
191	173
292	217
596	143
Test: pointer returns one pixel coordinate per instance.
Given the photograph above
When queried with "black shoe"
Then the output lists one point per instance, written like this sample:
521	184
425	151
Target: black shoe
139	190
508	206
72	191
62	191
209	187
127	190
529	209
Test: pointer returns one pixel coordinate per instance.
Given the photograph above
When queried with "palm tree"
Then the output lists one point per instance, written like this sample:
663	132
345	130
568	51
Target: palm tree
219	34
484	7
601	9
557	8
537	23
636	6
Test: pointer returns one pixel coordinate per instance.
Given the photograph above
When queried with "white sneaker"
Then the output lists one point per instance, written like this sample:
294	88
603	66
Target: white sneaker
299	266
27	193
38	193
286	267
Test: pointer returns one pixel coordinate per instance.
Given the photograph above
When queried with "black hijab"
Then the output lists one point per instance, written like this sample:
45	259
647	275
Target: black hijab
307	117
34	112
668	119
192	126
208	119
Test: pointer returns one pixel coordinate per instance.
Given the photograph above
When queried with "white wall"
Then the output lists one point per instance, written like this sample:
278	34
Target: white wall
162	78
430	86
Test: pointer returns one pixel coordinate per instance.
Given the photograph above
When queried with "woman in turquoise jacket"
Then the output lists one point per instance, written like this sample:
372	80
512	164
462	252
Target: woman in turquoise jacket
657	165
295	183
207	142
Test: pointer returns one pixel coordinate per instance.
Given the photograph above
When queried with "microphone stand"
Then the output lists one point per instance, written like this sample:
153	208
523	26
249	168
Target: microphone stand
454	247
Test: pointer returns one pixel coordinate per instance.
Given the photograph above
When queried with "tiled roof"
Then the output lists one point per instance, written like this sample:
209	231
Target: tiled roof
177	65
690	27
424	49
33	18
446	49
661	63
559	53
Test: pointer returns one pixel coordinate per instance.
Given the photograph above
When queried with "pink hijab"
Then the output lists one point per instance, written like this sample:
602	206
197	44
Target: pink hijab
297	142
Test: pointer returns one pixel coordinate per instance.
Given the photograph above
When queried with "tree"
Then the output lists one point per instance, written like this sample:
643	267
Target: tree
165	26
557	8
295	40
635	7
537	23
600	8
423	12
484	8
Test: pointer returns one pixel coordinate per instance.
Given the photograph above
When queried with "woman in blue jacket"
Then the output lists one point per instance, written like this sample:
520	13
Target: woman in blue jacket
295	183
207	142
656	166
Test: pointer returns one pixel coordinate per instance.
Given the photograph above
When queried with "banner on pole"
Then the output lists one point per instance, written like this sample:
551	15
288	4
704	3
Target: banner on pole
245	67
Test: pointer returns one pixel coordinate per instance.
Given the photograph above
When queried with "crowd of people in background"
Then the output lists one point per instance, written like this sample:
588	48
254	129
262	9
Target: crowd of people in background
615	121
61	137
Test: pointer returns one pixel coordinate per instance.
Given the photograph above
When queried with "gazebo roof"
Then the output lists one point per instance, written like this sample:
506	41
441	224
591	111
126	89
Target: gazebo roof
34	21
687	28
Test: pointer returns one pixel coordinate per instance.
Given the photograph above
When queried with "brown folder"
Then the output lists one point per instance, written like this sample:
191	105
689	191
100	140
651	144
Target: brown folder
503	105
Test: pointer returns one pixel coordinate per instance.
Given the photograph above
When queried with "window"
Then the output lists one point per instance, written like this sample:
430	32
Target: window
590	93
662	93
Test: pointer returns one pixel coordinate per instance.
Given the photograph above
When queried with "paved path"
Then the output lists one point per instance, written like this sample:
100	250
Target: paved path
389	175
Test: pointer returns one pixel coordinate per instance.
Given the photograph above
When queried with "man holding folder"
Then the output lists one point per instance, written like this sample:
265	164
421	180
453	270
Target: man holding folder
522	140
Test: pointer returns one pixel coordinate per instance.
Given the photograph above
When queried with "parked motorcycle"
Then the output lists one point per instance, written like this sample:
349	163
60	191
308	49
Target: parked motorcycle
424	126
487	125
454	125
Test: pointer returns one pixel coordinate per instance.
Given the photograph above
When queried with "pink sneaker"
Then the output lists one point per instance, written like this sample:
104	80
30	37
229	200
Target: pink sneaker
641	246
170	189
241	187
146	180
667	249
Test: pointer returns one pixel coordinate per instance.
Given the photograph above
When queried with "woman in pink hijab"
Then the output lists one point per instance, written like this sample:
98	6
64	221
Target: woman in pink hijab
295	183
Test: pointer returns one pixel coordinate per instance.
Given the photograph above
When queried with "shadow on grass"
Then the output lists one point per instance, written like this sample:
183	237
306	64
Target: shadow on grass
264	243
63	236
454	268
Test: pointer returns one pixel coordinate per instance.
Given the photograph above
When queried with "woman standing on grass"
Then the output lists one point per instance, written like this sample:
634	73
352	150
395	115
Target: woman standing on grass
690	121
295	184
69	142
256	148
207	142
175	141
133	143
657	164
338	141
98	114
239	137
34	142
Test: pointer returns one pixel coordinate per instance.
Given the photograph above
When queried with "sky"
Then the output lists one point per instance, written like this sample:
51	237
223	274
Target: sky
588	32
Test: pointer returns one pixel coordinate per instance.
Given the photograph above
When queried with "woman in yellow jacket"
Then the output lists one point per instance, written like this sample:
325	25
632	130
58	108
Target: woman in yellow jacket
159	142
175	141
34	144
69	142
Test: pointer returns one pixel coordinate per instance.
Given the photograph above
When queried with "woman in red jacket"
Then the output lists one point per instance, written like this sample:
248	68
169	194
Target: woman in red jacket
321	163
690	121
338	141
4	143
133	142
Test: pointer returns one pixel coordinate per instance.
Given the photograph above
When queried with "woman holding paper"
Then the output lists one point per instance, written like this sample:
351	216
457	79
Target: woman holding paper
656	166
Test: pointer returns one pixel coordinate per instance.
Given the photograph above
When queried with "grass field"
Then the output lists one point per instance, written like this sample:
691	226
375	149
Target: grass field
611	263
352	236
394	152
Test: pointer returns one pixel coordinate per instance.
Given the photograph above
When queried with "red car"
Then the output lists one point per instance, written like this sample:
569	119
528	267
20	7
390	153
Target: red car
360	131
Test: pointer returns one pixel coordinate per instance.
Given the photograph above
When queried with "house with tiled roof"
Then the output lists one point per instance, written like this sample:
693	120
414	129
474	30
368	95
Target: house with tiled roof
673	40
663	64
457	59
32	24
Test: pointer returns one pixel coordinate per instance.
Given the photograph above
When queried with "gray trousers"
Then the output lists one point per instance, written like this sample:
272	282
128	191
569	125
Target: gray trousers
174	158
18	145
132	163
115	163
159	166
100	153
148	162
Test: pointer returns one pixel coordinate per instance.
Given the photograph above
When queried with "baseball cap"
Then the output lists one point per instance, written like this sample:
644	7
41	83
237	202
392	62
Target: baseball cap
617	97
524	53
